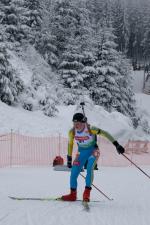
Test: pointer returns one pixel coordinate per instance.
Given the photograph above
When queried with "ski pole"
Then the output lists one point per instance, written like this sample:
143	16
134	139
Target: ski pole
110	199
136	166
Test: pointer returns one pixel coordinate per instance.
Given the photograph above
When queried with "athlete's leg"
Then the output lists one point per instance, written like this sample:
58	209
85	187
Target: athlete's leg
77	167
92	160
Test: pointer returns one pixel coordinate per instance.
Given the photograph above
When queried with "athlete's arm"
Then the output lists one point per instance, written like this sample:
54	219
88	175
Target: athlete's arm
70	142
97	131
100	132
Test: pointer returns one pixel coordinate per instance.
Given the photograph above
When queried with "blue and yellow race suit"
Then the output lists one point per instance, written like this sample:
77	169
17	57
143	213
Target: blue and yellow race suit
87	151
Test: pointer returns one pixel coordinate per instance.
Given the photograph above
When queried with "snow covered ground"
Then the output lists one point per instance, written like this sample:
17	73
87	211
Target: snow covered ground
128	187
143	104
138	81
36	124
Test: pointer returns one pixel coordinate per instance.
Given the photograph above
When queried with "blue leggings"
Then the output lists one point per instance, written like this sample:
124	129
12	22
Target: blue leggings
78	164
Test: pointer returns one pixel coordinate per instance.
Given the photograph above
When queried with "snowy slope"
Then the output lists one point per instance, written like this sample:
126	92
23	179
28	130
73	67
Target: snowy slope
142	100
40	84
138	81
143	104
29	62
21	67
128	187
36	124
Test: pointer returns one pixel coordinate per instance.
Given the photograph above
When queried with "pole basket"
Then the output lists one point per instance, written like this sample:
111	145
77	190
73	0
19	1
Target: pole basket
58	161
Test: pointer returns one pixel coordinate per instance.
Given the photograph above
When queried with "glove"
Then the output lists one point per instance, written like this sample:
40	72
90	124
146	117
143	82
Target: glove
69	161
119	148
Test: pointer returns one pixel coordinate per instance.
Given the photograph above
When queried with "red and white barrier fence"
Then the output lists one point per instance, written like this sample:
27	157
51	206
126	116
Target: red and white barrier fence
21	150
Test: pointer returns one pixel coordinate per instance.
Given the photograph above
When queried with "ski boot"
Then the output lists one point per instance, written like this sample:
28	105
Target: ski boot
70	197
86	194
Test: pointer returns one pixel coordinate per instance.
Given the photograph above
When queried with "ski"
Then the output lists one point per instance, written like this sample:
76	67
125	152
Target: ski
86	206
35	199
45	199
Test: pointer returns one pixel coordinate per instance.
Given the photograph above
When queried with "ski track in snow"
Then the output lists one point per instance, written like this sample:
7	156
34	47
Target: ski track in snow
128	187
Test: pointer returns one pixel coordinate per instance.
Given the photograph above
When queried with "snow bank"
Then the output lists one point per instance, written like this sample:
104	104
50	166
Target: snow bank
37	124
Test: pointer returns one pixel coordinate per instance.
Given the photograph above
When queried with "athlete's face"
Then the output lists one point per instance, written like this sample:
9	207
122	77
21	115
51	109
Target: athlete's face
79	126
